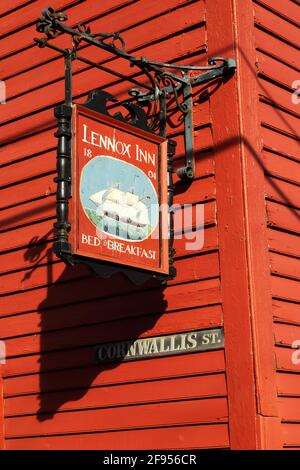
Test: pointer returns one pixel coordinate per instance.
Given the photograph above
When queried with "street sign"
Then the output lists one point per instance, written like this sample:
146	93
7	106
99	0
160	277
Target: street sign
144	348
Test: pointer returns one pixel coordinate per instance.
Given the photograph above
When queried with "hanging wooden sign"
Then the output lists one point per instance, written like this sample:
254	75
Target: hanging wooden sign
119	206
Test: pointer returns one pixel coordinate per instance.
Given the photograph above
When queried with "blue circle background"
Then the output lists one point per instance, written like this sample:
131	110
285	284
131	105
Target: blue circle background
104	171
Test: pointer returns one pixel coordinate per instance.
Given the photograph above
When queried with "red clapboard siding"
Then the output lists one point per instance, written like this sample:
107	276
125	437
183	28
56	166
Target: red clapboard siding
277	63
40	276
284	242
274	45
144	392
282	191
91	313
42	273
29	236
149	323
286	334
291	434
279	119
283	217
289	409
278	165
13	4
276	24
187	270
288	384
32	189
281	143
285	265
285	288
40	164
274	69
188	437
207	292
28	257
43	120
289	9
28	212
27	147
31	12
210	241
273	93
23	128
143	416
28	15
284	360
109	309
96	375
286	311
203	142
52	317
49	360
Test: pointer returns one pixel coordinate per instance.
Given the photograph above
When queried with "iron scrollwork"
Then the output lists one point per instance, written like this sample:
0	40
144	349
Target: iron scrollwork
163	83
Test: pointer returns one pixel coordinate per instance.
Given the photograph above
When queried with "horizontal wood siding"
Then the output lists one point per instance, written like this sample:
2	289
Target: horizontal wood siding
278	59
51	316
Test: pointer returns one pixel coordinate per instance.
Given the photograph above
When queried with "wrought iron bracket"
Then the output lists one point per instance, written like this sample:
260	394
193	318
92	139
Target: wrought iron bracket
166	81
147	105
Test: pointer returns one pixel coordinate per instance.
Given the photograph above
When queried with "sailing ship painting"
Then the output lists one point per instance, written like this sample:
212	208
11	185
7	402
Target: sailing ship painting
119	199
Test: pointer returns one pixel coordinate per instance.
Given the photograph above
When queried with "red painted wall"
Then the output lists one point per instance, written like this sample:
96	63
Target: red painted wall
51	316
277	47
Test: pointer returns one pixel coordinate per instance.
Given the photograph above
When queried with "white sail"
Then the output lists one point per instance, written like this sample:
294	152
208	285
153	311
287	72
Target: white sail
115	195
121	204
121	197
97	197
